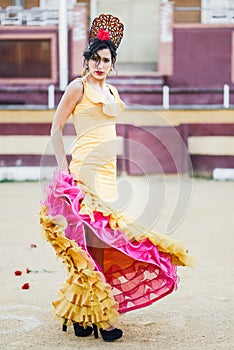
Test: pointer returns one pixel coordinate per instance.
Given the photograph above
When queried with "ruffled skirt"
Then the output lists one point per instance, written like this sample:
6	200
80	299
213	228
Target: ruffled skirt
139	266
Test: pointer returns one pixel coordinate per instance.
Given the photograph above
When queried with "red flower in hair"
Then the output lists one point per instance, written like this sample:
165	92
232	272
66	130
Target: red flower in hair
103	34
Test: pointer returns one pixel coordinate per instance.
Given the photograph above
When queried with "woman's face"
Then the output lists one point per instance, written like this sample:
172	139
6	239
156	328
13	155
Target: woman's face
100	64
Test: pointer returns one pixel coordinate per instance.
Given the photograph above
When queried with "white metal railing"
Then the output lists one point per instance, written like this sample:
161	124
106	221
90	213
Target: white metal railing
217	11
226	96
211	14
17	15
36	16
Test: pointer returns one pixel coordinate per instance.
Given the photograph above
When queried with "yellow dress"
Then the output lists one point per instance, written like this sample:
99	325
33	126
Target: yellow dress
94	155
139	265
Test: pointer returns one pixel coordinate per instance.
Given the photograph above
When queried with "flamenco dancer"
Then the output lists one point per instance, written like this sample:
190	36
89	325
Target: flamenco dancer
114	265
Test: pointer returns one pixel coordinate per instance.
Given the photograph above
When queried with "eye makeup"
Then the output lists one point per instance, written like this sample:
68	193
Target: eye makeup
96	58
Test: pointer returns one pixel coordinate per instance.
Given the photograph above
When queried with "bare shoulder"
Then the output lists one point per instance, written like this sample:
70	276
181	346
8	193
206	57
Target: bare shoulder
75	86
74	90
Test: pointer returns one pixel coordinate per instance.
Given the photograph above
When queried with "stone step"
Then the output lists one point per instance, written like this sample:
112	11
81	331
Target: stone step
144	82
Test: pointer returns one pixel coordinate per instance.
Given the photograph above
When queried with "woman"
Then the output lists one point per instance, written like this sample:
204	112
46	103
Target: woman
114	265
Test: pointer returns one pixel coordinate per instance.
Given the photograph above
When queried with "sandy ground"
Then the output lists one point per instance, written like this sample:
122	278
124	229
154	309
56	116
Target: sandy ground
199	315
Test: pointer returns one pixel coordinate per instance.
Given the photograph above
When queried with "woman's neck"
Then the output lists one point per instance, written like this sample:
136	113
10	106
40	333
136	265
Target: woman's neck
99	84
101	87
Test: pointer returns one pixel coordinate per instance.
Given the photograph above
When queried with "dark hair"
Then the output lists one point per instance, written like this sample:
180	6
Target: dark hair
96	45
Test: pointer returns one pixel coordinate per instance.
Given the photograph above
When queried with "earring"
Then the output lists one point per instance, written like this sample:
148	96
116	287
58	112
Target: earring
110	70
84	72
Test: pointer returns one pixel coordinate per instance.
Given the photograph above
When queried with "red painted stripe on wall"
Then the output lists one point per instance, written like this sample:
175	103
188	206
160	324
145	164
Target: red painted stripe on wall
232	59
198	129
210	129
27	160
37	160
160	149
204	165
32	129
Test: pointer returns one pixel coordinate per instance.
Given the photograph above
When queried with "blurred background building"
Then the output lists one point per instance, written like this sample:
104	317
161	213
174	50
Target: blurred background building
176	61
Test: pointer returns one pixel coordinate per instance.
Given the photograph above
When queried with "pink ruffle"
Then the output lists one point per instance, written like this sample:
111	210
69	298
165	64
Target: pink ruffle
149	277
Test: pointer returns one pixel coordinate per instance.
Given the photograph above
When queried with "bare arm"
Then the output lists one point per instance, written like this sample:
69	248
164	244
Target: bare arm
69	100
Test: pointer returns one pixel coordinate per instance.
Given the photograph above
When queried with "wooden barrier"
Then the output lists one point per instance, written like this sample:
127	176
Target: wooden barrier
143	149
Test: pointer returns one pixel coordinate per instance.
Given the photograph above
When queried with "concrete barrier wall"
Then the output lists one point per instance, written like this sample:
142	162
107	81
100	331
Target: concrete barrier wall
149	142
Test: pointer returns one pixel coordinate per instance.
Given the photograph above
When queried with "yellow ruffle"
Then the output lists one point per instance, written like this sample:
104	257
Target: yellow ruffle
113	109
132	230
85	296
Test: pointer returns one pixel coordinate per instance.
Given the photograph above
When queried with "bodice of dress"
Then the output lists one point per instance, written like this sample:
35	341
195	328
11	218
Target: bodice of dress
94	153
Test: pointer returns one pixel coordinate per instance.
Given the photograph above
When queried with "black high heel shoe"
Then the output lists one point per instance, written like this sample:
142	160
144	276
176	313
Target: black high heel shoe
80	331
109	336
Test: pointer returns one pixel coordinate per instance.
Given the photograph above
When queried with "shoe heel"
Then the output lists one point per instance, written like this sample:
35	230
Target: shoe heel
95	330
112	335
80	331
64	327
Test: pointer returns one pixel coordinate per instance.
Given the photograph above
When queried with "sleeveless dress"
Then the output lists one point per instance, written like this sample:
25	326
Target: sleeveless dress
139	264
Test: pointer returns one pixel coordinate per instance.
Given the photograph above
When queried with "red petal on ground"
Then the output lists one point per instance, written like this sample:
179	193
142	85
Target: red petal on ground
33	245
18	273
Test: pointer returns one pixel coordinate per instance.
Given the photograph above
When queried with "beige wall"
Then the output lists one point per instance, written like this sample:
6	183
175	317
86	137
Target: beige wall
137	117
141	20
